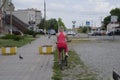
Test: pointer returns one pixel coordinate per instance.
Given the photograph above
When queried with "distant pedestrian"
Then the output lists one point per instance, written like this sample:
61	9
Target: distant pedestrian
49	35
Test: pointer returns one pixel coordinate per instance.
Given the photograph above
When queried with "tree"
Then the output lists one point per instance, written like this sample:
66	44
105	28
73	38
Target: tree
60	23
41	24
51	24
115	12
106	21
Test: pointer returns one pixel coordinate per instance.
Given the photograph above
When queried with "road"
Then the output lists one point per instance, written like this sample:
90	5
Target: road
101	55
33	66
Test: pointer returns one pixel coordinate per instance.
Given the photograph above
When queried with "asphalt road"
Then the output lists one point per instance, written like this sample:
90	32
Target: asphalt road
101	55
33	66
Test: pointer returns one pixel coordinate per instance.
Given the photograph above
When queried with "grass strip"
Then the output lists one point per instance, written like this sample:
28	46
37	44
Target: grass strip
57	73
76	69
10	42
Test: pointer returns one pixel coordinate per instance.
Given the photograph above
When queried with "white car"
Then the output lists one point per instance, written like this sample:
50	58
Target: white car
51	31
71	33
92	33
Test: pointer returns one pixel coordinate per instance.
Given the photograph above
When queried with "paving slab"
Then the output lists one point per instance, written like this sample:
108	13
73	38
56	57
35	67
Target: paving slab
33	66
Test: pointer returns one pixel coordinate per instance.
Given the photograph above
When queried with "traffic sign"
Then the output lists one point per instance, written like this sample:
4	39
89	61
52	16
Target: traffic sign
114	18
87	23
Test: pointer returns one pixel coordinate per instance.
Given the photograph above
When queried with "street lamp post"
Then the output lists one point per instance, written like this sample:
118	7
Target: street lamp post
0	15
45	16
73	25
10	4
0	20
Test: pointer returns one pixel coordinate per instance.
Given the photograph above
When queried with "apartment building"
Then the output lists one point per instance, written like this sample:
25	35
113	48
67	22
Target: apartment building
22	19
32	17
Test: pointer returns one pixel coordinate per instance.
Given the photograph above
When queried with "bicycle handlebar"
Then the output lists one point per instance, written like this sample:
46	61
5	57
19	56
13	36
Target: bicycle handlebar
66	41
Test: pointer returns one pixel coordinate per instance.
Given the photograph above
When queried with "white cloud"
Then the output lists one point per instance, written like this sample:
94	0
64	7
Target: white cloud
96	0
55	5
69	10
102	6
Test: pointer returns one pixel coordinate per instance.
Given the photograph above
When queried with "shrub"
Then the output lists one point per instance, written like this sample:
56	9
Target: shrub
30	32
14	37
8	36
17	38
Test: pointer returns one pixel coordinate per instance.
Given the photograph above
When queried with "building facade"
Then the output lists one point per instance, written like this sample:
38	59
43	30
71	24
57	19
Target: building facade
32	16
29	16
111	26
5	5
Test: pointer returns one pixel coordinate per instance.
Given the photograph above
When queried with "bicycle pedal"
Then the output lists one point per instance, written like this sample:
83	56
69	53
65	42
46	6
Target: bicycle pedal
66	56
65	64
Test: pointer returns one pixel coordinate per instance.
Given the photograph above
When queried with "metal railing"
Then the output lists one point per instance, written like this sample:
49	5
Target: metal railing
17	22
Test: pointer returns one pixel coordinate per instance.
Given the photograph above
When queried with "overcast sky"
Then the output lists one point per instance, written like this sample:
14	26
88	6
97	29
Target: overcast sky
72	10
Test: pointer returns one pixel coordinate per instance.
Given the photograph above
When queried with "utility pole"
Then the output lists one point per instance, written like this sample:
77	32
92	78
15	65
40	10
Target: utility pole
0	16
45	17
10	4
0	21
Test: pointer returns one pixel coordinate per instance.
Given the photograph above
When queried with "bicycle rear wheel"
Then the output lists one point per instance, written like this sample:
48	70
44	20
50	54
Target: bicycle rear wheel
65	61
61	59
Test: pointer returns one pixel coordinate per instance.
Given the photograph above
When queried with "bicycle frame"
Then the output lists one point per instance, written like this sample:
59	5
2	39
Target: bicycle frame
63	59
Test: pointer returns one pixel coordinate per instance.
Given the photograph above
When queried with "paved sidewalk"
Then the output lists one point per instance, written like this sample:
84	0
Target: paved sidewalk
32	67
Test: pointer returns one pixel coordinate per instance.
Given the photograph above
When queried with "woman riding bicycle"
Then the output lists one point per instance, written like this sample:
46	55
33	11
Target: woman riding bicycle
61	42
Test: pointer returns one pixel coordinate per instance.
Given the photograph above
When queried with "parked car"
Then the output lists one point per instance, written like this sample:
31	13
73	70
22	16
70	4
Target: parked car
110	33
71	33
103	32
97	33
51	32
41	31
92	33
16	32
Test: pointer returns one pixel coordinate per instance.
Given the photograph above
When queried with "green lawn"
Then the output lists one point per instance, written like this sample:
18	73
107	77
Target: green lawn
11	42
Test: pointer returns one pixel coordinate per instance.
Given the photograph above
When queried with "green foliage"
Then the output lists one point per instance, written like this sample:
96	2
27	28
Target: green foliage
11	42
74	63
51	24
60	23
107	20
14	37
41	25
30	32
57	75
8	36
17	38
79	30
115	12
84	30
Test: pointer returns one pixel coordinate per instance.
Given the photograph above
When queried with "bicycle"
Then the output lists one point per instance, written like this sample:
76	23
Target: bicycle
63	59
